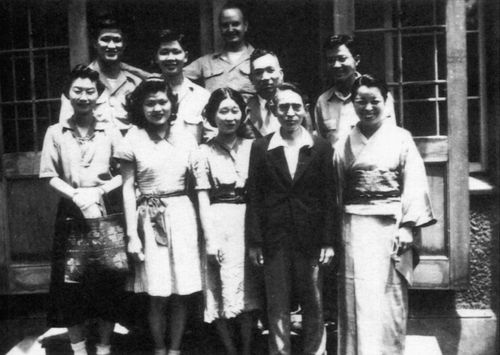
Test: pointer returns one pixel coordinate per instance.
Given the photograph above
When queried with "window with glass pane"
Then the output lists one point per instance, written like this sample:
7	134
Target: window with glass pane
405	42
412	36
34	58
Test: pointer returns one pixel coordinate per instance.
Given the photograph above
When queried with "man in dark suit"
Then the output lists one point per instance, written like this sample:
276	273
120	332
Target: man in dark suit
290	221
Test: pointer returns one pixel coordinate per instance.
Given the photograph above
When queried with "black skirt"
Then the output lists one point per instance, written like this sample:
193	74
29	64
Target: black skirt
98	295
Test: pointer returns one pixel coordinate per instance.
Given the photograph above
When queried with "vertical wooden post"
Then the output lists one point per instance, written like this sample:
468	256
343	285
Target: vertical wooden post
210	38
216	7
4	230
206	27
77	28
325	30
343	17
458	164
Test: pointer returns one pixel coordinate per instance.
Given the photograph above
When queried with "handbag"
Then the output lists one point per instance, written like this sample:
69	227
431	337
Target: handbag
95	246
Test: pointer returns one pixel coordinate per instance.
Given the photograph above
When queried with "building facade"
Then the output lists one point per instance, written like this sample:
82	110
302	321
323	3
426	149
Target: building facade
441	59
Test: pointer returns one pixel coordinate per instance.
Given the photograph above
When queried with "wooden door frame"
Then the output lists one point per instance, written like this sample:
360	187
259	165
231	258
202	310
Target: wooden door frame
18	278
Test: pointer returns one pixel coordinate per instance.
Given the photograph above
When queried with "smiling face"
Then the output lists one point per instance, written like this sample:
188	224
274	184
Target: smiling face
83	95
157	108
110	45
228	117
266	75
171	58
341	63
289	108
369	105
233	26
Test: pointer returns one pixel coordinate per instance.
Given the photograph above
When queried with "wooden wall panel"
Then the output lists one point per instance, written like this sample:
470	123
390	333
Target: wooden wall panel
31	215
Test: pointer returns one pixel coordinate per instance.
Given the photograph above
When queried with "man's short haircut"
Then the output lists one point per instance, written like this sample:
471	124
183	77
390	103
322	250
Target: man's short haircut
169	35
81	71
335	41
259	52
371	82
289	87
105	22
235	4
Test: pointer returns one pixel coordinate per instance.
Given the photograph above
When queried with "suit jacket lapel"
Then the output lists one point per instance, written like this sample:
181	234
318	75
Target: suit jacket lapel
306	155
278	161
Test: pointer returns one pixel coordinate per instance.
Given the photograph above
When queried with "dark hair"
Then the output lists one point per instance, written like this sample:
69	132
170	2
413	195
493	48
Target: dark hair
335	41
168	35
371	82
291	87
217	97
235	4
104	22
84	72
259	52
135	100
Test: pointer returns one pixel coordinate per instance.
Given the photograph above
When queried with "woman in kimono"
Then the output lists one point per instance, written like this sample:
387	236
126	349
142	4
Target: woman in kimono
161	226
221	174
384	197
76	161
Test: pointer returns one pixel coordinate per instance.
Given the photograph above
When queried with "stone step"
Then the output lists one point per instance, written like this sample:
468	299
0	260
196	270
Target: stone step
419	345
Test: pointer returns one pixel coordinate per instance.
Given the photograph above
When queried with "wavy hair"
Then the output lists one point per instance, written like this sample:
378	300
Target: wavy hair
135	100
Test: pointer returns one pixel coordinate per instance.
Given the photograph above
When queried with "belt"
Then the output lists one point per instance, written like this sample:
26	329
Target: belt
152	206
236	196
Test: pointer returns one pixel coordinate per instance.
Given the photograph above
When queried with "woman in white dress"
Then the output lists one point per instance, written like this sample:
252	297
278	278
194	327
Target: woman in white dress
384	198
161	223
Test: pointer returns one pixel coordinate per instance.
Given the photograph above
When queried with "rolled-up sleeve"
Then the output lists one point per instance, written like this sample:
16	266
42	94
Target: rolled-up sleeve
201	170
124	150
50	162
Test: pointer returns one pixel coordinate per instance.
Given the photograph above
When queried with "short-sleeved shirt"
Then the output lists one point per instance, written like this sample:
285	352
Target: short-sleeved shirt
161	165
78	160
218	166
215	71
111	103
334	112
192	101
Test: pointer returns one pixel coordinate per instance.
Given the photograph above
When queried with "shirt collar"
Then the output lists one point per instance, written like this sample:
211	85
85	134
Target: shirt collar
262	101
120	80
70	124
335	94
304	139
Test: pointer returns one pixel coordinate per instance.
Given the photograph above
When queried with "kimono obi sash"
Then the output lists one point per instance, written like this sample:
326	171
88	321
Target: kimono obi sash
228	193
367	186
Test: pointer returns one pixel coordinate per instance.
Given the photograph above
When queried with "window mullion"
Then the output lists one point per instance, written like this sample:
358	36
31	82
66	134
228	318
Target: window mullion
400	65
482	87
32	81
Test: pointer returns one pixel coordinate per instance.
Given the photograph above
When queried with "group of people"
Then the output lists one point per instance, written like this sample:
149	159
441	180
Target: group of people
232	188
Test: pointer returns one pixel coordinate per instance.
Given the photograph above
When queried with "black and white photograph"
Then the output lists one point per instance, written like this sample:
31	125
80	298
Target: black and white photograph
249	177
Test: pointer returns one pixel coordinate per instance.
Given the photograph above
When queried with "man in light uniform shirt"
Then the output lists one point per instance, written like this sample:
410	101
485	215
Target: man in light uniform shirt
334	112
119	79
231	66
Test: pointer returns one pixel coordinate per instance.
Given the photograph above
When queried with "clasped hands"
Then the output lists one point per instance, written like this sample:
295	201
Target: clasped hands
87	196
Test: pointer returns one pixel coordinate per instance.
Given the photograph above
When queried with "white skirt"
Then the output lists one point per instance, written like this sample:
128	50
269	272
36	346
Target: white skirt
175	268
